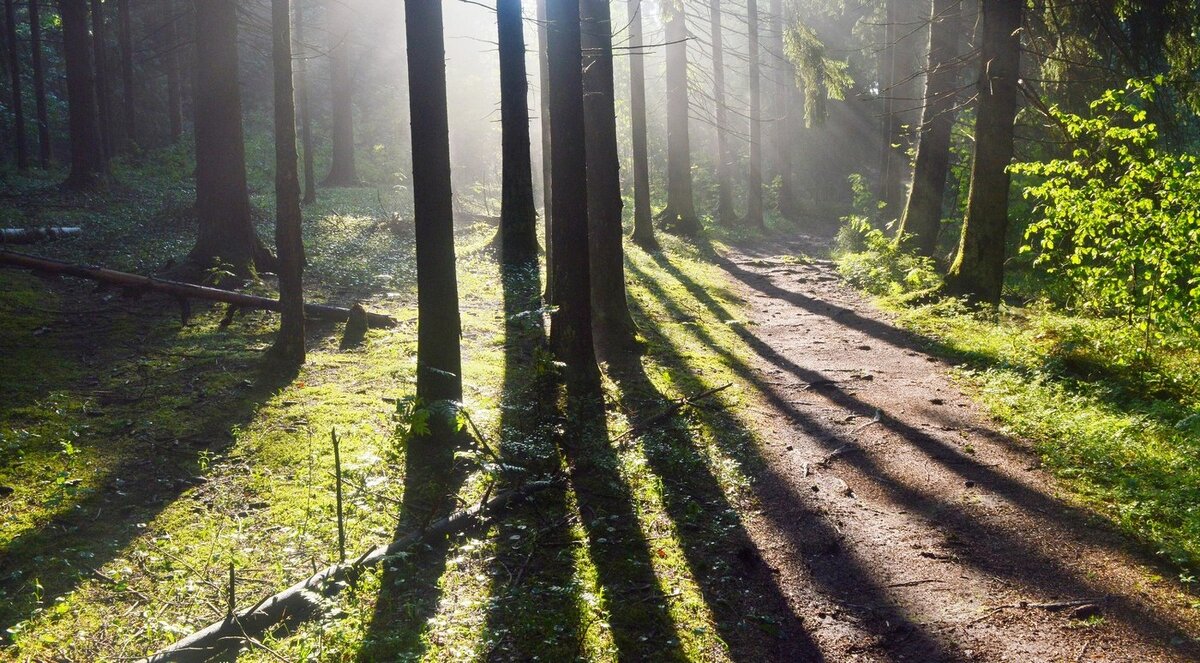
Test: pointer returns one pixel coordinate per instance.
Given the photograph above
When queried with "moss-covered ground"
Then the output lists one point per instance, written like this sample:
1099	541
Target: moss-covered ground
144	457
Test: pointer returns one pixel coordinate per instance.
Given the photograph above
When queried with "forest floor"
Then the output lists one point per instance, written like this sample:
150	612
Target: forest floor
843	500
902	523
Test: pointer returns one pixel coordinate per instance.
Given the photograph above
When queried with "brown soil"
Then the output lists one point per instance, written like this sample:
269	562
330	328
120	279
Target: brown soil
900	523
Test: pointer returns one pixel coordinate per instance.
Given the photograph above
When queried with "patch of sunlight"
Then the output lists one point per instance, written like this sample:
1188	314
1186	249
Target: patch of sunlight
695	622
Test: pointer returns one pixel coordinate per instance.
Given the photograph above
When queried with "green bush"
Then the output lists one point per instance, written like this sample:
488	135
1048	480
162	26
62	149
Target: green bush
872	261
1120	219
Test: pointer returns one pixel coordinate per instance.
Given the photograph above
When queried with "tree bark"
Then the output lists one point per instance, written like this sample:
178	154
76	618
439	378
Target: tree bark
679	217
571	321
611	322
129	105
226	228
138	283
103	90
643	227
439	364
978	271
754	193
289	345
923	214
45	145
342	172
518	216
18	99
306	138
89	168
725	211
547	171
174	91
782	124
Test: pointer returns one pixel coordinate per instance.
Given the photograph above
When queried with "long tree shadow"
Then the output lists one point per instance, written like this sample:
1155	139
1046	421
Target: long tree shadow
839	576
1006	556
636	605
94	526
752	615
410	585
535	598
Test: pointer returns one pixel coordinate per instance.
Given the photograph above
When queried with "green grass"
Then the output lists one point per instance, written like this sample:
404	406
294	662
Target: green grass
146	457
1119	426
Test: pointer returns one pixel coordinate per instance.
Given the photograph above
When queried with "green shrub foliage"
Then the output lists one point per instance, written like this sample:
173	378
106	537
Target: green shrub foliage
1120	219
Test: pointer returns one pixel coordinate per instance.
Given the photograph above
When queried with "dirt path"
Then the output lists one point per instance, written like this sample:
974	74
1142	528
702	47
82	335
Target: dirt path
920	533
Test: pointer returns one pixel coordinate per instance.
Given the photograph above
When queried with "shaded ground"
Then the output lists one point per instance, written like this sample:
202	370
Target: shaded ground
901	524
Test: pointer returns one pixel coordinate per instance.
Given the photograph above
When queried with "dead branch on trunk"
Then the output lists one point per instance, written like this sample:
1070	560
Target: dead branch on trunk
183	291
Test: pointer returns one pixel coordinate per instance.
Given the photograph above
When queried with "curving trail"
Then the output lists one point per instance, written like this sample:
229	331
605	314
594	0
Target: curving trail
921	533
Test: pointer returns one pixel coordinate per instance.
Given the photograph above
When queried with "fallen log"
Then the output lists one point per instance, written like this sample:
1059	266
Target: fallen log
137	282
302	599
34	235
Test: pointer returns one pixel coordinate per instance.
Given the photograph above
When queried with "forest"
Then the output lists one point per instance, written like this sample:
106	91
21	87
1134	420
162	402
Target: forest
649	330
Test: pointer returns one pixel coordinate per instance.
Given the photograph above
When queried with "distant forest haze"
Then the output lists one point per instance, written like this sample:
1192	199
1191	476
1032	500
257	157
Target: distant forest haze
788	330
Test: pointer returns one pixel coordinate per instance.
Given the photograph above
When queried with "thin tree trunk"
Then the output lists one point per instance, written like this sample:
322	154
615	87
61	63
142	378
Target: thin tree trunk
439	364
342	172
226	229
289	345
889	169
45	146
18	99
611	321
518	216
103	90
174	91
923	215
725	212
88	166
306	138
754	193
571	322
547	170
125	23
643	227
783	133
978	271
680	214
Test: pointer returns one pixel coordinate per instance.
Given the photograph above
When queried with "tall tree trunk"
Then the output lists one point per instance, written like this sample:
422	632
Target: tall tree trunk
611	321
571	322
643	227
754	193
14	63
125	26
45	145
680	214
782	124
547	170
88	166
342	171
306	138
518	216
978	271
725	212
226	229
289	345
103	90
923	215
889	168
174	91
439	364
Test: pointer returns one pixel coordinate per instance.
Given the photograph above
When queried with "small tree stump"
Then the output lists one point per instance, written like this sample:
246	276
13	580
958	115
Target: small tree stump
356	328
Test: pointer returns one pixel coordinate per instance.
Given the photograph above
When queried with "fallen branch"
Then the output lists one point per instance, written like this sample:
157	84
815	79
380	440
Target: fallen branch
653	420
137	282
34	235
302	600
